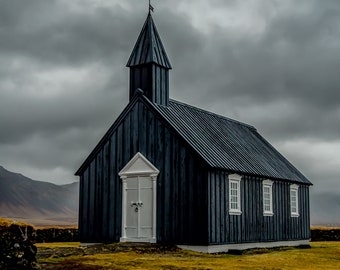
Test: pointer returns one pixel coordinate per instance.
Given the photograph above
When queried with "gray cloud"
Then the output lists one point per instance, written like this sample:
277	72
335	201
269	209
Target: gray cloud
272	64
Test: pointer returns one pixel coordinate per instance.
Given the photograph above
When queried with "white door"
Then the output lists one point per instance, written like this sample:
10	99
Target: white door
139	208
139	196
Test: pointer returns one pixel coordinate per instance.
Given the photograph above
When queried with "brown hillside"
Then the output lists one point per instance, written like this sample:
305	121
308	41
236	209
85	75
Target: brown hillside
25	199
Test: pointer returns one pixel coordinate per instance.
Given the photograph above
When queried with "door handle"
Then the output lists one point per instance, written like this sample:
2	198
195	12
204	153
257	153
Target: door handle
137	204
132	204
140	203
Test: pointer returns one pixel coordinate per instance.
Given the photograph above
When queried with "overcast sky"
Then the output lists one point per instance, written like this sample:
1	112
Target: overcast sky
274	64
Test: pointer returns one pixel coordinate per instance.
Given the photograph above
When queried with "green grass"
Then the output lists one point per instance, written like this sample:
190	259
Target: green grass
322	255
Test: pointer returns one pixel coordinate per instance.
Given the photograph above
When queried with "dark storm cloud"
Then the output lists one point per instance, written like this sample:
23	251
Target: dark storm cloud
53	33
294	61
272	64
44	37
62	80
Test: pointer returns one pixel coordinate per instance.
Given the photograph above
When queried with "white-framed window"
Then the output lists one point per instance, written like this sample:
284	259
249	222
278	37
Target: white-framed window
234	194
294	200
267	188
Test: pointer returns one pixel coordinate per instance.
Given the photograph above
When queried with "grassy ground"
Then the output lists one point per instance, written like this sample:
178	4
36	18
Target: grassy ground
322	255
5	222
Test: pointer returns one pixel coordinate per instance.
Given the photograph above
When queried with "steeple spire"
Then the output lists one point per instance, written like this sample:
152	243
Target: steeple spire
149	47
149	65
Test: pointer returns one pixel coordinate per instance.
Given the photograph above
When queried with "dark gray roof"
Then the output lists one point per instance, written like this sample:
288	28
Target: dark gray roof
149	47
228	144
222	142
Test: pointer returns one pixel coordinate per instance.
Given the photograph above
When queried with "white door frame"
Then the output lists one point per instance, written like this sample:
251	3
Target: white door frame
139	166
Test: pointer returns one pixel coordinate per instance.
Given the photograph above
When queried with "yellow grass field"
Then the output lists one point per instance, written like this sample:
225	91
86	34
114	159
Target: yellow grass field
322	255
6	222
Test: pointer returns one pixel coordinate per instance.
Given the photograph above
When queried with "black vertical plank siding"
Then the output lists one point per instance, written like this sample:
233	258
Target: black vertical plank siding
252	225
209	208
307	207
174	188
261	232
105	199
304	219
117	187
99	196
119	155
270	219
112	191
245	205
218	208
81	207
246	218
213	195
158	94
250	209
277	223
238	225
132	84
153	80
142	128
92	201
182	193
241	226
88	205
160	184
282	211
187	202
84	206
306	211
222	209
134	130
127	136
192	203
276	220
167	186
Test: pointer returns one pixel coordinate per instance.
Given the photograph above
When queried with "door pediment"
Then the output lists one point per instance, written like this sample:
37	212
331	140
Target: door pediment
139	165
139	199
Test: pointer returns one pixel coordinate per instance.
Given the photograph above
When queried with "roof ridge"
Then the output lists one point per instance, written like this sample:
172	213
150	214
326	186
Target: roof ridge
213	114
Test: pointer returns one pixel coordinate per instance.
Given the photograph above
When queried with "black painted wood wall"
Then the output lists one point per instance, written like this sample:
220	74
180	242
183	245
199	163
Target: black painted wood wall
192	200
251	225
182	205
153	80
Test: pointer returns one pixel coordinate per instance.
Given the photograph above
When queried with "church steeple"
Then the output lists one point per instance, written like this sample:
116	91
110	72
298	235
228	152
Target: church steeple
149	65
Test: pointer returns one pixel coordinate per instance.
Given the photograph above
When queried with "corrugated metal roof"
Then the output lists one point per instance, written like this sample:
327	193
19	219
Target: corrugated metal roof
228	144
149	47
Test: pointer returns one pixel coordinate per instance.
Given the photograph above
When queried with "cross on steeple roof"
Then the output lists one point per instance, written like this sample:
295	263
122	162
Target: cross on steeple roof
150	7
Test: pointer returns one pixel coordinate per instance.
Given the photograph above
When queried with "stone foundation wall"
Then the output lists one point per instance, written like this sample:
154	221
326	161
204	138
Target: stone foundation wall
17	250
325	234
48	235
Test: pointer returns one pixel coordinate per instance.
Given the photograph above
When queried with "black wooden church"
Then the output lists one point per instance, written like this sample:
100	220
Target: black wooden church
168	172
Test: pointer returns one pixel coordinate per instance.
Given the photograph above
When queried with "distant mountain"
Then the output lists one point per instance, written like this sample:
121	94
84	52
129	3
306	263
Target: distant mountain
37	201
